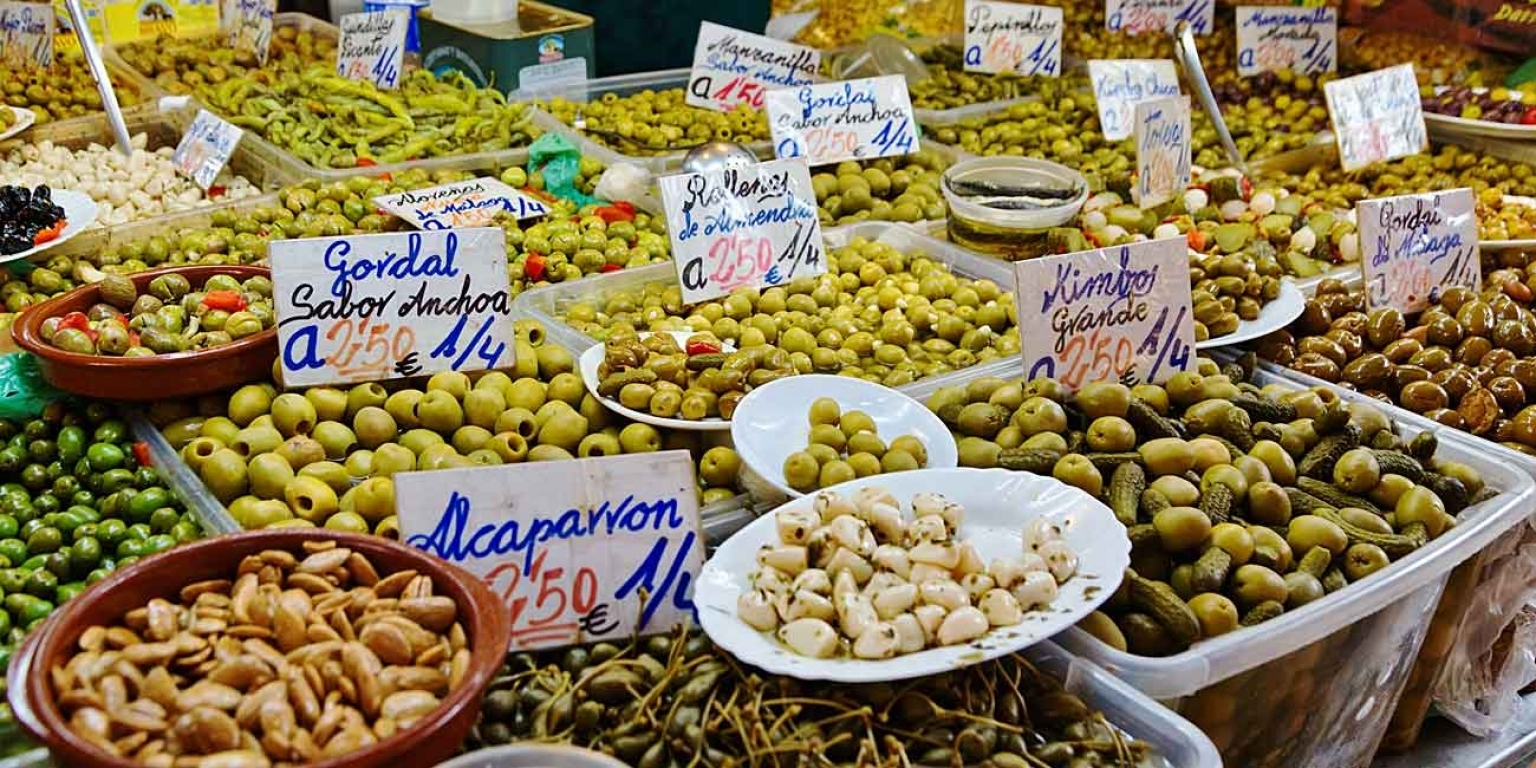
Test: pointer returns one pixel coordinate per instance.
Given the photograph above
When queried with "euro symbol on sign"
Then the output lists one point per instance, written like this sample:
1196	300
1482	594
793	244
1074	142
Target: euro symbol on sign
597	622
407	366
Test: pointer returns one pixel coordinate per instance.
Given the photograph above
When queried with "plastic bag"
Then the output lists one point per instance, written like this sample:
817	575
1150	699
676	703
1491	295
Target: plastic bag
23	391
559	161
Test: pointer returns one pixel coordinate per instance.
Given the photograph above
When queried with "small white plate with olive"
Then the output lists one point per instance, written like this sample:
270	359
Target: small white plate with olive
24	120
79	213
1274	316
592	359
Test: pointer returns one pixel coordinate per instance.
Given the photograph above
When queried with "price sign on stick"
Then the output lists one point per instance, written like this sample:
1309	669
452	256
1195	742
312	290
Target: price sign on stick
1413	247
374	307
26	35
1138	16
472	203
372	46
1010	37
848	120
205	148
583	550
1113	313
1119	83
250	26
732	67
1377	116
1162	150
742	227
1277	39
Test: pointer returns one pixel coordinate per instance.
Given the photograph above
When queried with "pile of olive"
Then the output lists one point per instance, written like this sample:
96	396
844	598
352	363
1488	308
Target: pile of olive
880	314
949	85
169	317
325	457
657	122
838	23
61	91
698	379
1241	503
904	189
1062	127
844	445
1436	60
1268	114
197	67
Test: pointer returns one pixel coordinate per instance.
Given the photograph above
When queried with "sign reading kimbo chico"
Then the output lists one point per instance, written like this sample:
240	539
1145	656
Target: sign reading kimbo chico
579	551
732	67
472	203
1377	116
1010	37
1138	16
26	35
1276	39
372	46
848	120
1119	83
374	307
1114	313
1413	247
742	227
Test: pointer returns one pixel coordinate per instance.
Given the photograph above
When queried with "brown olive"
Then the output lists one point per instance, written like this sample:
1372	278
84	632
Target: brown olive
1417	333
1508	391
1401	350
1448	418
1524	371
1322	345
1423	396
1314	319
1453	298
1523	427
1472	348
1353	345
1479	410
1339	303
1444	331
1370	371
1314	364
1515	337
1456	382
1385	325
1357	323
1433	358
1278	347
1496	357
1503	430
1484	375
1331	285
1403	375
1504	308
1476	318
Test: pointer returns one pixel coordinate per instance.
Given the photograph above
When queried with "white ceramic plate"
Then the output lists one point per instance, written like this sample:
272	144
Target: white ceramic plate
593	357
997	503
79	212
771	422
1452	125
1512	245
1275	315
24	120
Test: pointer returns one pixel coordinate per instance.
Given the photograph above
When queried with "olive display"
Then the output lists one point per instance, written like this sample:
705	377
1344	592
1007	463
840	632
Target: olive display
61	91
199	67
7	119
836	23
844	445
657	122
949	85
169	317
904	189
1496	105
695	380
879	314
1436	60
666	699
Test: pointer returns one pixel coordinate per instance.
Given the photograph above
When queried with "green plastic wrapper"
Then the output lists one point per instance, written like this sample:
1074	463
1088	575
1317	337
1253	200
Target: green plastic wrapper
23	391
559	161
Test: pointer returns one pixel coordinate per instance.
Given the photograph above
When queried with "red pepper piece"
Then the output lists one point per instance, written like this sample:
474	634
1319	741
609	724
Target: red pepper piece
620	211
1196	240
141	454
533	266
610	268
229	301
217	190
51	233
76	320
701	348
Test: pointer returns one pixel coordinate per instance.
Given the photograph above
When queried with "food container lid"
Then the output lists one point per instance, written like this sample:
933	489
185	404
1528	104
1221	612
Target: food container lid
881	55
1014	177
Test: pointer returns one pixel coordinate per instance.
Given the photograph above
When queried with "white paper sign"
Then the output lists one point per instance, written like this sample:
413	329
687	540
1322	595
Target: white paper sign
372	46
205	148
472	203
732	67
375	307
1377	116
579	551
26	35
1121	312
1010	37
846	120
746	227
1138	16
1277	38
1119	83
1163	153
1413	247
250	26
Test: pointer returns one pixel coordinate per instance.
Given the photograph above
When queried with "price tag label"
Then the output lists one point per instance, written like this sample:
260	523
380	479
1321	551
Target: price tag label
375	307
26	35
1163	154
205	148
1276	39
732	67
470	203
1413	247
1377	116
581	550
372	46
1009	37
1119	83
250	26
1138	16
1114	313
742	227
847	120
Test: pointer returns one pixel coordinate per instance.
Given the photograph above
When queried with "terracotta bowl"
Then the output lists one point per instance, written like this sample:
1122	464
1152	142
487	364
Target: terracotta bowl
162	377
431	740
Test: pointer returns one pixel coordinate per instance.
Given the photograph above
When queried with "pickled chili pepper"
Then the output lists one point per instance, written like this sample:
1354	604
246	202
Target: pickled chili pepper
229	301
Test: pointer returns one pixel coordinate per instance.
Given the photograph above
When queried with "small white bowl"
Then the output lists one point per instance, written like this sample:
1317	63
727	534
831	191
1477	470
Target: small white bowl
593	357
772	422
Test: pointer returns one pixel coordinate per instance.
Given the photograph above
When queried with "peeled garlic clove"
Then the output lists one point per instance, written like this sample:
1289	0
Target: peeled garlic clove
1038	588
963	625
953	514
865	499
848	560
945	554
888	523
922	572
928	528
977	584
809	637
1006	572
852	533
770	579
1001	608
807	604
1038	532
880	641
910	637
970	560
929	617
895	600
928	503
791	560
894	559
882	580
820	548
755	607
831	505
814	580
1032	562
843	584
795	525
1061	560
943	593
855	615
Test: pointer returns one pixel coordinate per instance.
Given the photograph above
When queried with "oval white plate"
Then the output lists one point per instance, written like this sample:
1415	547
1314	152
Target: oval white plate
1512	245
24	120
593	357
771	422
998	503
1275	315
79	212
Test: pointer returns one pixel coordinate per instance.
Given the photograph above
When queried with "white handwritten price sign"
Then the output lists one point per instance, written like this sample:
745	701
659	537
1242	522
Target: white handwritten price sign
250	26
742	227
374	307
472	203
846	120
1277	39
205	148
26	35
1377	116
1138	16
1010	37
1413	247
1114	313
372	46
732	67
583	550
1119	83
1163	153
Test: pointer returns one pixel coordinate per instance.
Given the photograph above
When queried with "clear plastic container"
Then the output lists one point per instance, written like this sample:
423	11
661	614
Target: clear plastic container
1010	234
147	85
